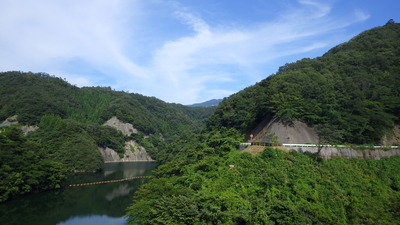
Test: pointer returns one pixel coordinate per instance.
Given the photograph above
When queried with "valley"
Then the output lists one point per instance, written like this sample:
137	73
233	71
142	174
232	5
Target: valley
349	96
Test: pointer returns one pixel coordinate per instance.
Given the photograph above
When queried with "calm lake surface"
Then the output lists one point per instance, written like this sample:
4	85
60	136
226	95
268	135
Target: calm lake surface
96	204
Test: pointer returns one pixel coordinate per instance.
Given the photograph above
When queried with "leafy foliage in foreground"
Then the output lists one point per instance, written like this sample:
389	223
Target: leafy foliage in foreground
353	88
275	187
24	166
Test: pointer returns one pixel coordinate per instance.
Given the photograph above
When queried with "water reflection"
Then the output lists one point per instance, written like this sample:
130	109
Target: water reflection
98	220
122	190
101	204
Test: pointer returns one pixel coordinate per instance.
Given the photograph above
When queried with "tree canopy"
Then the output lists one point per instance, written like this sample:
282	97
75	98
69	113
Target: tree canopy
353	87
350	94
25	166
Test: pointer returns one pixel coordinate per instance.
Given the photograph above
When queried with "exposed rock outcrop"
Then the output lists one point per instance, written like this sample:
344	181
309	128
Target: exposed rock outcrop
298	132
126	128
9	121
393	137
331	152
287	132
13	120
109	155
26	129
133	153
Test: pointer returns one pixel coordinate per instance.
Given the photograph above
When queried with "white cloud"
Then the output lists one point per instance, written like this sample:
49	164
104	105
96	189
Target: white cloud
245	48
44	35
77	39
360	15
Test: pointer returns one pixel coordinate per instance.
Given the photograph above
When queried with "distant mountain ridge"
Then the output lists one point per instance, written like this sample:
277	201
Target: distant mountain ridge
212	102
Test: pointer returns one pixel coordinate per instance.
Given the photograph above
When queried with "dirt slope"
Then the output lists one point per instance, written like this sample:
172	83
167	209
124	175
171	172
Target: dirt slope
393	137
287	132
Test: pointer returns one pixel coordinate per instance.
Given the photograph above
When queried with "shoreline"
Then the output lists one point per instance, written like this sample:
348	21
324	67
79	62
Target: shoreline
130	161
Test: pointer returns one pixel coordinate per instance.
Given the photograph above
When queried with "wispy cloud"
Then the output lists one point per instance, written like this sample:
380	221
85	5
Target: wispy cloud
49	35
83	40
294	32
360	15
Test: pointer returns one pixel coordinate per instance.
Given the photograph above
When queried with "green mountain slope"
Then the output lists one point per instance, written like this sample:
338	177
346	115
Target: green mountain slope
70	118
352	92
30	96
274	187
70	128
25	166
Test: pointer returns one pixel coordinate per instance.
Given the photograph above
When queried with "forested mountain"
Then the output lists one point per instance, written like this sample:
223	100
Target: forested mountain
69	121
52	103
31	96
351	92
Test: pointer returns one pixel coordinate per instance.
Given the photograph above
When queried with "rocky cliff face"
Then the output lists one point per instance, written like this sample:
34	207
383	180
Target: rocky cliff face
392	137
331	152
9	121
287	132
297	132
126	128
133	151
109	155
13	120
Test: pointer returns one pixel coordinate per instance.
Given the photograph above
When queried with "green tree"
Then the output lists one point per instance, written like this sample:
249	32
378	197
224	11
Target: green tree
24	166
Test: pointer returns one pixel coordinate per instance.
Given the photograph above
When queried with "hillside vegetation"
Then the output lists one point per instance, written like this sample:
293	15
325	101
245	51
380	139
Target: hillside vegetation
31	96
70	122
274	187
351	93
25	166
69	116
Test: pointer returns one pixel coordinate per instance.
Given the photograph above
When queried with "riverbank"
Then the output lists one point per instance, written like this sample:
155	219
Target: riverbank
89	204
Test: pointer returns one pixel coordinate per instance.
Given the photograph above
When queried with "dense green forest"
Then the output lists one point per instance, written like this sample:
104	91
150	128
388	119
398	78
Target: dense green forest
25	165
70	118
199	187
69	121
33	95
351	93
353	90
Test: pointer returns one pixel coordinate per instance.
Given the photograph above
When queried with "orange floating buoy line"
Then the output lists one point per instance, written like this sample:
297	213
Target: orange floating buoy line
107	181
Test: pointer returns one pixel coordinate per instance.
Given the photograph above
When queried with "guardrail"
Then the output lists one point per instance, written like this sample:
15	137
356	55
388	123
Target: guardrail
315	145
340	146
260	144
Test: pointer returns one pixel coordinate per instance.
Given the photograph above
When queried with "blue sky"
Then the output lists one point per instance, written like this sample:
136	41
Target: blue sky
183	51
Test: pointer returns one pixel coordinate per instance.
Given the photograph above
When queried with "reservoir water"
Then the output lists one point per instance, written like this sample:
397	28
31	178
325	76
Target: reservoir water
101	204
